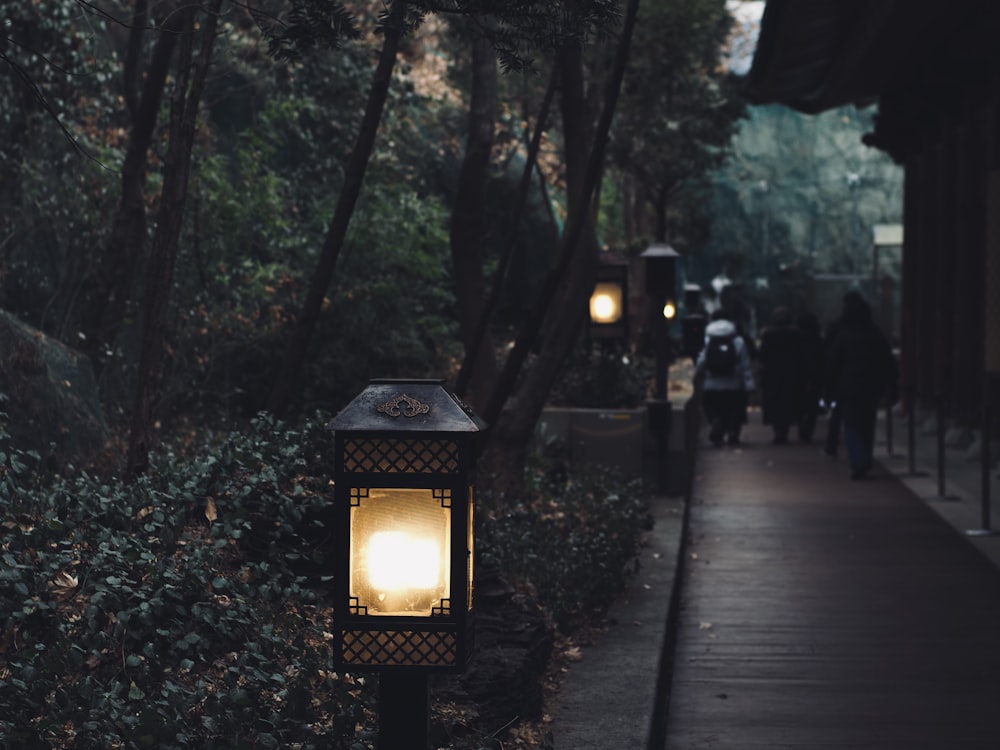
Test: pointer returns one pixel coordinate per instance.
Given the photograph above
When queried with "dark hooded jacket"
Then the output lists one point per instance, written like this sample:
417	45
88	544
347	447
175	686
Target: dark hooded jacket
782	368
861	370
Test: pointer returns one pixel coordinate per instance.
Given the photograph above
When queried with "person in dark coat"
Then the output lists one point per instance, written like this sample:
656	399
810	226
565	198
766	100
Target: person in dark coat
831	446
862	372
813	374
781	373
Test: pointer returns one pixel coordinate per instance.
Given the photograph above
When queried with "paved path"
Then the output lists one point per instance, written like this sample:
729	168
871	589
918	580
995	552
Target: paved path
820	612
609	698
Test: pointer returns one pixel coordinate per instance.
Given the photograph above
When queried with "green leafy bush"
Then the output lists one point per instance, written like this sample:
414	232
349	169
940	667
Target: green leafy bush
599	378
569	541
174	613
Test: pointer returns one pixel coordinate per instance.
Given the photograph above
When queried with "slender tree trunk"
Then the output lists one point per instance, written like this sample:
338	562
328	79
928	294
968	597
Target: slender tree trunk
576	266
108	289
481	337
468	225
662	201
183	122
305	324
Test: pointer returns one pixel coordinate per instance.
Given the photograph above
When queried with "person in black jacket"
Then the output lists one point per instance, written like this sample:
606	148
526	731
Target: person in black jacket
862	373
781	374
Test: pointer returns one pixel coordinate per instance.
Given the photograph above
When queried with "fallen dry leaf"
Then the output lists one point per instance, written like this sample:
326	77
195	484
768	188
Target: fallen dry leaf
64	583
210	512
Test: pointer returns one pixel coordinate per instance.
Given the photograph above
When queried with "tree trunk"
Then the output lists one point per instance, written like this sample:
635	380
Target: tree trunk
354	173
183	122
468	226
108	289
662	201
513	425
564	291
481	337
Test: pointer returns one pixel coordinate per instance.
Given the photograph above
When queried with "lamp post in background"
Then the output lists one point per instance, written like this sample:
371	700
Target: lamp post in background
609	301
404	515
661	291
693	323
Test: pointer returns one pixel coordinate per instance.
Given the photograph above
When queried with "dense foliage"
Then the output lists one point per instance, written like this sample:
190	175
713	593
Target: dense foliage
189	609
678	112
268	160
602	377
183	611
570	544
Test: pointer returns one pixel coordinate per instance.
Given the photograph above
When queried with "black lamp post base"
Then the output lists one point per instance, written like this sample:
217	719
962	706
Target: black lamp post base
404	711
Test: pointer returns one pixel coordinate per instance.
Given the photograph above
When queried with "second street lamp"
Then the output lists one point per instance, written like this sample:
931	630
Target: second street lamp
661	292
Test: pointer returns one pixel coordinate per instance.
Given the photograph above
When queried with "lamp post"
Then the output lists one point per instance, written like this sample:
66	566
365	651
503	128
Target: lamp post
661	291
404	514
693	323
609	301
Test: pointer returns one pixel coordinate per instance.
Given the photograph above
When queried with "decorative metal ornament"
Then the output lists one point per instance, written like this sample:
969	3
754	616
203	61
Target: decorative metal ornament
412	407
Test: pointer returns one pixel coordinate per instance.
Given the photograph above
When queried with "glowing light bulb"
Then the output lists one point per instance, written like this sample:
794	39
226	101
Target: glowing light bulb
399	562
606	303
603	307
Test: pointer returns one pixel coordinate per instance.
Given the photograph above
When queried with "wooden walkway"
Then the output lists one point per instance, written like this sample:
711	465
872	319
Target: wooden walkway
819	612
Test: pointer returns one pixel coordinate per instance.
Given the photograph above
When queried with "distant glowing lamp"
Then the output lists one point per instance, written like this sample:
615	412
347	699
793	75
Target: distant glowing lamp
606	303
609	300
669	310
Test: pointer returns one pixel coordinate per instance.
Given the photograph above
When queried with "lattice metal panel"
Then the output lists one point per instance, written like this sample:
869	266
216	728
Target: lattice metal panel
399	456
400	648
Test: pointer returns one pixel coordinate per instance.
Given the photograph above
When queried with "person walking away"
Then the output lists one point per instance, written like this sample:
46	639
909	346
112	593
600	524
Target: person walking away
724	367
862	373
833	423
781	374
833	426
813	373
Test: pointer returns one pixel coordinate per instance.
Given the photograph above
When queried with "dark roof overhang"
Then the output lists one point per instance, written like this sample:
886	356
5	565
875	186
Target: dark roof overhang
917	58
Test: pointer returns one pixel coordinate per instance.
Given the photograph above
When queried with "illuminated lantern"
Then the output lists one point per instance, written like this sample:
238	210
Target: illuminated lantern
609	300
404	503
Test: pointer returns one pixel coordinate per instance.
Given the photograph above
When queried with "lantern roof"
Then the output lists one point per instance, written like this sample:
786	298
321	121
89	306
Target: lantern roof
406	405
660	250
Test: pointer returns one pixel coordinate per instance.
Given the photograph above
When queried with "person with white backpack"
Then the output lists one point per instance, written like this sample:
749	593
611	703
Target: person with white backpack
726	375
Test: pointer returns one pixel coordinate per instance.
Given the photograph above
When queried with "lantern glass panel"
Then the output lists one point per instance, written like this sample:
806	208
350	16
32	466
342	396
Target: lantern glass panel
400	551
606	303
